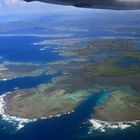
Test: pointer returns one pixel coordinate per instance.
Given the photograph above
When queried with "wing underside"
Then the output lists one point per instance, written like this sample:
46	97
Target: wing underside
100	4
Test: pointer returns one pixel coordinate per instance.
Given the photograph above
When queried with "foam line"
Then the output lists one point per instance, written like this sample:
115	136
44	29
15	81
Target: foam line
18	120
104	125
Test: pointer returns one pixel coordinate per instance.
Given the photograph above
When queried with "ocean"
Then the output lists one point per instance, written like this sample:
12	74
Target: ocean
74	126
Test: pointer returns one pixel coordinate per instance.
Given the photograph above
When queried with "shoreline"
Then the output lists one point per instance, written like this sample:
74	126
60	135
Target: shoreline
20	122
103	126
99	125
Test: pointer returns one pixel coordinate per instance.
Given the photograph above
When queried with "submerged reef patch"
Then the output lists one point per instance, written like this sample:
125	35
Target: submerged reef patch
120	110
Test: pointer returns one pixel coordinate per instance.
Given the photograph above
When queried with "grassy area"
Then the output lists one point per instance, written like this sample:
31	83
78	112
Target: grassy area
108	69
133	55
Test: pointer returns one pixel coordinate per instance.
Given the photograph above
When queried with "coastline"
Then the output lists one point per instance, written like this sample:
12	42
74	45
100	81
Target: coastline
103	126
20	122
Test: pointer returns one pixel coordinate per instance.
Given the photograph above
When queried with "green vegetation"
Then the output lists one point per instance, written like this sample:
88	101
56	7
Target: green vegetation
109	69
120	45
94	62
133	55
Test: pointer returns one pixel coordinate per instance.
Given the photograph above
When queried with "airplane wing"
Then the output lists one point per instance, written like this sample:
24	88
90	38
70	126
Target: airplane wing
99	4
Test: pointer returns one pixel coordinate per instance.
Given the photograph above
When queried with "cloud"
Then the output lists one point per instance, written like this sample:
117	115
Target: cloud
11	2
12	7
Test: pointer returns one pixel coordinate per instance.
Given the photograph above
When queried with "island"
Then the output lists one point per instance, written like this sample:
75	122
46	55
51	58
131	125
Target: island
43	101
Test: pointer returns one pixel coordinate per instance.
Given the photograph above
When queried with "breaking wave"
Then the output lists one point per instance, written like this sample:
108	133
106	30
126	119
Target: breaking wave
103	126
20	122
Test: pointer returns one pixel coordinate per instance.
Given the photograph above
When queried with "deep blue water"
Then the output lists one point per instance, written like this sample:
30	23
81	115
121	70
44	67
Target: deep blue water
21	49
69	127
26	82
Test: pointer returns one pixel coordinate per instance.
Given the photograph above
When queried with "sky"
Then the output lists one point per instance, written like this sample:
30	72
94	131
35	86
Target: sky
19	7
19	10
14	10
8	7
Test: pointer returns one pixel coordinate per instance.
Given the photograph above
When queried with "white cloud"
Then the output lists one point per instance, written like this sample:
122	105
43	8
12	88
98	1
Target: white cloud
11	2
11	7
